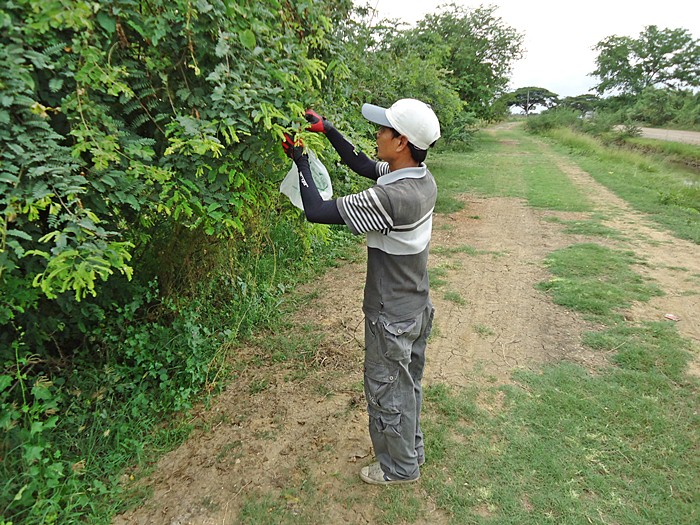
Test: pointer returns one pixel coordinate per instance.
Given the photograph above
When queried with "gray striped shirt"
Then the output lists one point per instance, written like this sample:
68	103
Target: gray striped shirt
396	214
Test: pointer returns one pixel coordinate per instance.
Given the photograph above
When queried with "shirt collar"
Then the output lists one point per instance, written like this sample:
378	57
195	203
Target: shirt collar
404	173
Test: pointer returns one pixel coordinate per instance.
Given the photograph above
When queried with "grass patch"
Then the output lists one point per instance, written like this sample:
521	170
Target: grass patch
455	297
590	227
462	249
595	280
483	331
571	447
398	506
670	195
653	348
438	277
493	170
668	151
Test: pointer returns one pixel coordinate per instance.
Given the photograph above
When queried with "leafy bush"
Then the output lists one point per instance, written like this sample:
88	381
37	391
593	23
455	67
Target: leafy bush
135	136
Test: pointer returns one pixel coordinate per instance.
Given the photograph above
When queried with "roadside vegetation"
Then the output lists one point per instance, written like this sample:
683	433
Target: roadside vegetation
143	235
669	193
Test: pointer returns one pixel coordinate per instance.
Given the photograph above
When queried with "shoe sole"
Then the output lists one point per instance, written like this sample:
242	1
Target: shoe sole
371	481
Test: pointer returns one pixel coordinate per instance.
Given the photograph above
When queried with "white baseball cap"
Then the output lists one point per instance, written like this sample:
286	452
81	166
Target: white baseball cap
412	118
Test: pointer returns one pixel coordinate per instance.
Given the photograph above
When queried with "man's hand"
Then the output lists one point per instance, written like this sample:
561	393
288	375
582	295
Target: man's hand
318	123
293	149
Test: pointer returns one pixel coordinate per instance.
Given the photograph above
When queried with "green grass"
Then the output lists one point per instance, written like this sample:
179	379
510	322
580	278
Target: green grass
570	447
566	445
668	151
438	277
595	280
494	170
462	249
669	195
483	330
455	297
590	227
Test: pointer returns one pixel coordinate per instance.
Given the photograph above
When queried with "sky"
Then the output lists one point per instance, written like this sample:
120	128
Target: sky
559	35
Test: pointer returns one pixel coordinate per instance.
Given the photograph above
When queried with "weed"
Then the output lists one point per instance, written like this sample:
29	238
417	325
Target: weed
483	330
438	276
259	385
455	297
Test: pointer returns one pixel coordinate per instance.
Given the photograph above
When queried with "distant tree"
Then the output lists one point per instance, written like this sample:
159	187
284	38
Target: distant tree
528	98
581	103
476	47
659	57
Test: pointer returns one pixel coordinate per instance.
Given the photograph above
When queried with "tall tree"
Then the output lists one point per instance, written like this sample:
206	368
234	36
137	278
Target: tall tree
528	98
476	47
658	57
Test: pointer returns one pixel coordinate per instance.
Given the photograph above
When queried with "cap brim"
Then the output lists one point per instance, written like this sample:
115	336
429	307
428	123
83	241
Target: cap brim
375	114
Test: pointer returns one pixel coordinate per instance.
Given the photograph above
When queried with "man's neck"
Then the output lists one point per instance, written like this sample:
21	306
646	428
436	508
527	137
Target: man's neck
400	164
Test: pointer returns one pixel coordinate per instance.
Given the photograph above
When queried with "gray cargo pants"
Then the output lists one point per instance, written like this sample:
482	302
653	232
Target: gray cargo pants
394	362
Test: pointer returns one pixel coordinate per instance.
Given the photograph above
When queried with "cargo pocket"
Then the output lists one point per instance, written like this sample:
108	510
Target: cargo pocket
388	424
398	338
380	380
380	387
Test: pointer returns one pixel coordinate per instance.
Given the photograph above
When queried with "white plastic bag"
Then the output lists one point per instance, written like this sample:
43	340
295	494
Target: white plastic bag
290	184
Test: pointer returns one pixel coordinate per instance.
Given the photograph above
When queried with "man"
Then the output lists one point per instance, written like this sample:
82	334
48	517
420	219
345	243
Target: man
396	216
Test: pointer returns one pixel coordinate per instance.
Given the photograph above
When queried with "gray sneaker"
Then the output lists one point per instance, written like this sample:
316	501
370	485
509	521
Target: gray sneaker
374	475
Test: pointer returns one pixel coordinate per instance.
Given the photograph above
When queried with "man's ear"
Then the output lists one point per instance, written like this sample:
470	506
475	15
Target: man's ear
403	143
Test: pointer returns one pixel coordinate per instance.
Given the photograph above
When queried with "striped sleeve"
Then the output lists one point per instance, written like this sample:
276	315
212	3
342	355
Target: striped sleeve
364	212
382	168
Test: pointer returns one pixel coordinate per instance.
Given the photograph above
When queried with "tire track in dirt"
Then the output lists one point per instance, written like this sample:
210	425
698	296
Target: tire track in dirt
504	323
310	434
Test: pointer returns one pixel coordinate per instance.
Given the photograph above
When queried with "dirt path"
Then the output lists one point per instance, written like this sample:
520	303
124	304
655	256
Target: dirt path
490	321
689	137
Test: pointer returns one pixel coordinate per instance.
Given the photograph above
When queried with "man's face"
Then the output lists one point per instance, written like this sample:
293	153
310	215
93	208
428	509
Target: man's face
387	143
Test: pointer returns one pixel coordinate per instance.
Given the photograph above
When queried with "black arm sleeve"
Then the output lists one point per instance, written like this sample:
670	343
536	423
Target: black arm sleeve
358	162
315	208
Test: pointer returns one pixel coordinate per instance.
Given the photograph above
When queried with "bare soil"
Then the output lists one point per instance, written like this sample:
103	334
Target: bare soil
689	137
493	321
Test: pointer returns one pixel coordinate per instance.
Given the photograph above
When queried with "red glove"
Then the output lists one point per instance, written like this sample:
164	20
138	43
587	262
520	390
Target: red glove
293	150
318	123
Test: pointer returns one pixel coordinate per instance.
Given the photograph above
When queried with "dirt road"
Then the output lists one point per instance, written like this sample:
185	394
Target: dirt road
312	432
687	137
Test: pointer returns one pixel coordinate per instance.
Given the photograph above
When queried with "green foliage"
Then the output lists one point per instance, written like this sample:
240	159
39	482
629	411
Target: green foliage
389	71
457	60
584	104
658	57
555	118
133	115
475	46
134	138
663	107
